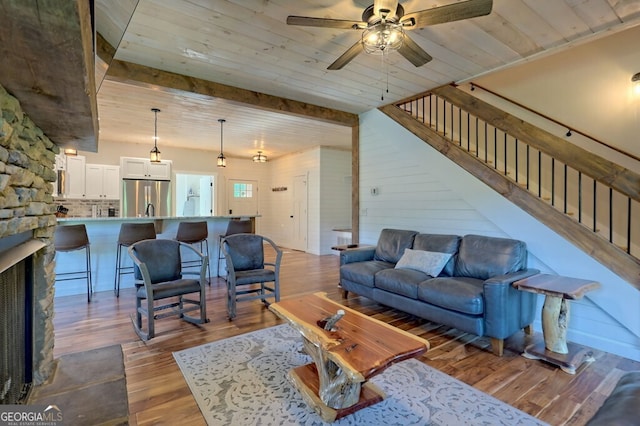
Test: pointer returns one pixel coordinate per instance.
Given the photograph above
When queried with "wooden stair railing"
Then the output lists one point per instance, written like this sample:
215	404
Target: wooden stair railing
588	200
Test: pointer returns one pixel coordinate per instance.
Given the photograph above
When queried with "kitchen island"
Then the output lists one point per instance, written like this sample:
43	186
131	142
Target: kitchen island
103	238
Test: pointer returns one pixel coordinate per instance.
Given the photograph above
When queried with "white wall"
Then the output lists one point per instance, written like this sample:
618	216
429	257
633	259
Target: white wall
587	87
328	201
335	196
420	189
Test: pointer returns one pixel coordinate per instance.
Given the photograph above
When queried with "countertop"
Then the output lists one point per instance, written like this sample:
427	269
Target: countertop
146	218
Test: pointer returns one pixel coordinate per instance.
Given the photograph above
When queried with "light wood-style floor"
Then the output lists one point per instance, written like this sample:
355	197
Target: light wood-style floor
158	393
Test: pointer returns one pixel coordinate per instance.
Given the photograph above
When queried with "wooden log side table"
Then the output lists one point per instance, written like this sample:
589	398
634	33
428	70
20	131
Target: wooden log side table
558	291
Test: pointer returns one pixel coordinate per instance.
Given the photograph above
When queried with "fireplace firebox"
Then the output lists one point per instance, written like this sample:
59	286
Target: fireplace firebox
16	332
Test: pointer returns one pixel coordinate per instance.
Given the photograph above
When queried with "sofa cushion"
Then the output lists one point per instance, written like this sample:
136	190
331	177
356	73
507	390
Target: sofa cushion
485	257
363	272
392	243
462	294
429	262
400	281
622	407
441	243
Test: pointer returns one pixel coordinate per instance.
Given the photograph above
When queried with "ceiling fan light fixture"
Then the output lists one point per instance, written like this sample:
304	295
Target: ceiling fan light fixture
154	154
382	37
259	158
222	161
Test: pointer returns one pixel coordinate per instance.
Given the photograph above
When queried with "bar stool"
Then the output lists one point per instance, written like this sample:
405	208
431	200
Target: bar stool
235	226
195	233
71	238
130	233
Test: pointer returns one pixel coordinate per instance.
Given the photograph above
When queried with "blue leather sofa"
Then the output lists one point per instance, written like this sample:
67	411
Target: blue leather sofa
473	292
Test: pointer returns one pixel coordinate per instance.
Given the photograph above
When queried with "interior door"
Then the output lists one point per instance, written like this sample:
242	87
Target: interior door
206	196
299	237
242	196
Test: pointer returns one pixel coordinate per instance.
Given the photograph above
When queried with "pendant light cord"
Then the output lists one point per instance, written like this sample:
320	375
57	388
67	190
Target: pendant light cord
155	131
221	138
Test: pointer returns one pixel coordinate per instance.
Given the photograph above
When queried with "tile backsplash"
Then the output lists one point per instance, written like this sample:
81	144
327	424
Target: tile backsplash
84	208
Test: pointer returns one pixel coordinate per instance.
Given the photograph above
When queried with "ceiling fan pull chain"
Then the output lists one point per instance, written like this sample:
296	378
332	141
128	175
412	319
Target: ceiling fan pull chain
381	88
386	63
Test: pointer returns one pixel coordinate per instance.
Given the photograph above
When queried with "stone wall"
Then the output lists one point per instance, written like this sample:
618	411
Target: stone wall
26	205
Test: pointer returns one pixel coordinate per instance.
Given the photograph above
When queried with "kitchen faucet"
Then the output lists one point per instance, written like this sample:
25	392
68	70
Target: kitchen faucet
150	210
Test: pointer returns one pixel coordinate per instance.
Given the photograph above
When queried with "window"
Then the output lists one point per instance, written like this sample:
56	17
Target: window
242	190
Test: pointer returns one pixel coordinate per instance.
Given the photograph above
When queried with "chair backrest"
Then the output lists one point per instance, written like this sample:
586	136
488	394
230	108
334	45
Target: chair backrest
161	257
192	232
133	232
246	251
70	237
239	227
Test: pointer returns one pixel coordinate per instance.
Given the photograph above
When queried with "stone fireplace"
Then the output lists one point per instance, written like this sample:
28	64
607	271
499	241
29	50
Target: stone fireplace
27	223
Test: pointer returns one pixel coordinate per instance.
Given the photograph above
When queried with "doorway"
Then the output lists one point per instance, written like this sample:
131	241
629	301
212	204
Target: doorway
194	195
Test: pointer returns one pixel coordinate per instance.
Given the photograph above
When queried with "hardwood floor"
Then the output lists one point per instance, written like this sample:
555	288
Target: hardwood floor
158	393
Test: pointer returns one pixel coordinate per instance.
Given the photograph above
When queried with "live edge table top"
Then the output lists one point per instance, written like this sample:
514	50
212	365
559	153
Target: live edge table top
362	345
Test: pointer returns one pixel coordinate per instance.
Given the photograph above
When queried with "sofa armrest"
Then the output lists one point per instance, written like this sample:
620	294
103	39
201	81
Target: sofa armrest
361	254
508	309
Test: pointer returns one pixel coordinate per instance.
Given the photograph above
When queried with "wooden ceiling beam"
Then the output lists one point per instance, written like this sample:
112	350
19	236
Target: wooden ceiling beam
48	65
143	76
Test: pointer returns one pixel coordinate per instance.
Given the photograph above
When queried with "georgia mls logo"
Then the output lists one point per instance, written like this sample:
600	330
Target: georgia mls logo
25	415
52	413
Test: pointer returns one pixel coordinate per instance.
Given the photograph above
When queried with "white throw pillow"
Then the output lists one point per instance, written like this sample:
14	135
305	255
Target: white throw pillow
429	262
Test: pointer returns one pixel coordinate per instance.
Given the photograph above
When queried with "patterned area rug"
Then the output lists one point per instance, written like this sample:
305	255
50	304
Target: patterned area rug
242	380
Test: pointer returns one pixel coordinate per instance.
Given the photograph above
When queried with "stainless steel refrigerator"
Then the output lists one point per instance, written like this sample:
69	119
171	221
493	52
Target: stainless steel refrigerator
146	198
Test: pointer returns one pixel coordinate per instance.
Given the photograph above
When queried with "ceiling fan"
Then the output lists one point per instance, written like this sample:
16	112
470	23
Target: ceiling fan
383	25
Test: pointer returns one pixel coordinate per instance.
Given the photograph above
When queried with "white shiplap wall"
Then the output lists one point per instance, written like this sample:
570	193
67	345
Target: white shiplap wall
420	189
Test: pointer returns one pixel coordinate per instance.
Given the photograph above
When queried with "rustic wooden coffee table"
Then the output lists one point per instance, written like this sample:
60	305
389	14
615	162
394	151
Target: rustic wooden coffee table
357	348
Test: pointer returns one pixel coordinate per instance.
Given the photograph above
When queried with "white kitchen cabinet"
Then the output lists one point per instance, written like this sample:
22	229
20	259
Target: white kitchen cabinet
160	171
75	177
102	182
143	168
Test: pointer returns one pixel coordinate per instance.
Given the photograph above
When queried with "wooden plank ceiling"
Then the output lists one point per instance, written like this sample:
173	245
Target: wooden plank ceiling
247	44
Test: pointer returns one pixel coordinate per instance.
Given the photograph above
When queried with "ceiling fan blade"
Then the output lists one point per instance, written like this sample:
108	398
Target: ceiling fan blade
451	12
413	53
325	23
347	56
388	8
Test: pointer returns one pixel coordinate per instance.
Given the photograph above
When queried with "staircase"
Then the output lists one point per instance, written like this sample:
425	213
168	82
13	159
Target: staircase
588	200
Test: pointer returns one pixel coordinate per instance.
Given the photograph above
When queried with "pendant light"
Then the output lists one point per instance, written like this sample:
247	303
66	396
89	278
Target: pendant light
154	155
222	161
259	158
